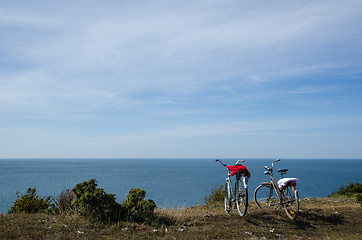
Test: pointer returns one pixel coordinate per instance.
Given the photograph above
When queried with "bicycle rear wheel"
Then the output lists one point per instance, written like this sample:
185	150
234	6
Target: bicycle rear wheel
241	197
291	202
227	197
265	198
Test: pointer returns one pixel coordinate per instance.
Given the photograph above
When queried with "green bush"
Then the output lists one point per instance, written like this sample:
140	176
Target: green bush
32	203
88	200
351	190
95	203
137	209
359	198
217	195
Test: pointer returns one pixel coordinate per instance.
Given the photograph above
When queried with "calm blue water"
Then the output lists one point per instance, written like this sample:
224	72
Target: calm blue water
169	182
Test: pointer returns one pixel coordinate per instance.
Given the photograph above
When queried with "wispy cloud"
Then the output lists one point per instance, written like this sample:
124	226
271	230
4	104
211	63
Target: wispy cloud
181	61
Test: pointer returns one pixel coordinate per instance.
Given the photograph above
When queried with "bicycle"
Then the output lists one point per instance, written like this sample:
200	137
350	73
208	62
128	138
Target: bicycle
238	195
286	194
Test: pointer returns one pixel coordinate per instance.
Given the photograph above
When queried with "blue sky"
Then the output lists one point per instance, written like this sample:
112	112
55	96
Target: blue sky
218	79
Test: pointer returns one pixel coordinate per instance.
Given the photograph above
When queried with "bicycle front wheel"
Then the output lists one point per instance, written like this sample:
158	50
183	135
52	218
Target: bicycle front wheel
227	197
241	197
265	198
291	202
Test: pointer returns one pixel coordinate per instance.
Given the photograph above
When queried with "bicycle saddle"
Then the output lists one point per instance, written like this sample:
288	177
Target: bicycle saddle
282	170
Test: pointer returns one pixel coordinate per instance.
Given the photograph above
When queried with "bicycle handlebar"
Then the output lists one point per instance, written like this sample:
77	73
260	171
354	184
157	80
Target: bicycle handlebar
271	169
242	160
217	160
224	164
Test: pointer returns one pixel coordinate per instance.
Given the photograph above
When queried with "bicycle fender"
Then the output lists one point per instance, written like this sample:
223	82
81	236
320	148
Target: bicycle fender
266	184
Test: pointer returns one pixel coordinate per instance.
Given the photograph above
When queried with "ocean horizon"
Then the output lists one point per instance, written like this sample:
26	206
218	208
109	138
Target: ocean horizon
170	182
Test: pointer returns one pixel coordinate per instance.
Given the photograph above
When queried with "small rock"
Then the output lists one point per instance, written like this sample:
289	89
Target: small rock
181	229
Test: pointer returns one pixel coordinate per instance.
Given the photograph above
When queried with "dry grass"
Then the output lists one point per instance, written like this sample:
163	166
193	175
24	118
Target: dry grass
322	218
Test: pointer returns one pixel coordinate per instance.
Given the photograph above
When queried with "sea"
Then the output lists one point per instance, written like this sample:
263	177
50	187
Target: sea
170	182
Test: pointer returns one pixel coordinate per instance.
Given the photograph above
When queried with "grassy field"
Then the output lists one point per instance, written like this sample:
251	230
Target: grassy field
320	218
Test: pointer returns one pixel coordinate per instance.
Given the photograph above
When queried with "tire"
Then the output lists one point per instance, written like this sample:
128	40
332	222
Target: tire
291	204
241	198
265	198
227	198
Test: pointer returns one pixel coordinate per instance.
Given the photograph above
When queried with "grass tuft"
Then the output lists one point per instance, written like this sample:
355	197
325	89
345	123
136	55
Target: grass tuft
352	190
320	218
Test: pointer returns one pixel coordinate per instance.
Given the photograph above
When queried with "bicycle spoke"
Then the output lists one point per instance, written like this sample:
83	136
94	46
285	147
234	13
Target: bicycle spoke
291	202
265	198
241	197
227	197
286	197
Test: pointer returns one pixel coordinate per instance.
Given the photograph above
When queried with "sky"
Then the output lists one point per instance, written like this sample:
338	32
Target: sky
180	79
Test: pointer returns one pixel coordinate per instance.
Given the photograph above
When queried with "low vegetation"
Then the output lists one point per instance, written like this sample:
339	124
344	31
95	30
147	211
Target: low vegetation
30	202
136	208
216	195
339	217
64	202
94	203
87	200
352	190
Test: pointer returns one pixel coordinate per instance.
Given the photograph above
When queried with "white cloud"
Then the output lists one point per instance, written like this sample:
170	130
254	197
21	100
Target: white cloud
88	59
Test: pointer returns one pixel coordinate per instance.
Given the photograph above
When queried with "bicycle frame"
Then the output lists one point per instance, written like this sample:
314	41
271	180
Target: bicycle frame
282	199
237	178
278	192
234	195
285	191
229	182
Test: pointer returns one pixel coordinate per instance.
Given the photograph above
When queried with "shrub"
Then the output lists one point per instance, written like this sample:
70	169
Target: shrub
32	203
351	190
137	209
95	203
217	195
359	198
64	201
